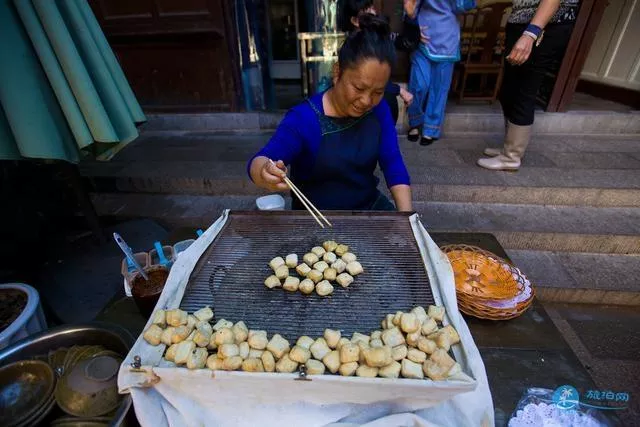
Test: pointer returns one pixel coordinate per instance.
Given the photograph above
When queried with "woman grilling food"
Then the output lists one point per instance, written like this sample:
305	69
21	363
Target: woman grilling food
334	140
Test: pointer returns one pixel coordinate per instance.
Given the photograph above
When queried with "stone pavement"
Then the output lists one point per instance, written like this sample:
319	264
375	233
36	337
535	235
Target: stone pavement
570	218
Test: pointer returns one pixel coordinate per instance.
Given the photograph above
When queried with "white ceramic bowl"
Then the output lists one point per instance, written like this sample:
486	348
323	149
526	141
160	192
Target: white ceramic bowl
29	322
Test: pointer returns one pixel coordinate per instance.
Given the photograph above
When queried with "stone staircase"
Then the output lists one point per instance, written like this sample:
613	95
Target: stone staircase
570	218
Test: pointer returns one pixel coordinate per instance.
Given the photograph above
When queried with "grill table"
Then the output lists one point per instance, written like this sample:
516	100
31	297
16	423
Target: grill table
225	268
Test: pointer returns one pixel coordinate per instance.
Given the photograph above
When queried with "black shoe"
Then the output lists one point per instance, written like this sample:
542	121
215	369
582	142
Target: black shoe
413	137
424	141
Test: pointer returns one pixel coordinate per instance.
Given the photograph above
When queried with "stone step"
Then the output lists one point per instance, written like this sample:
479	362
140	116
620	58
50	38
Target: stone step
457	119
545	185
581	277
551	228
566	170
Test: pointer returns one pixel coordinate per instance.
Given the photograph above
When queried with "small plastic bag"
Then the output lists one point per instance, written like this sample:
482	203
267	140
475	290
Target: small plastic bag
538	407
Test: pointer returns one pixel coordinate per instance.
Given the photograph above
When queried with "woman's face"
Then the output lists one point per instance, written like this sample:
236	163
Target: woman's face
359	88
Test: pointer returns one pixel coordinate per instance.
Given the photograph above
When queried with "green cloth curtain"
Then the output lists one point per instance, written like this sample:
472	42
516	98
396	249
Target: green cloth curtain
62	91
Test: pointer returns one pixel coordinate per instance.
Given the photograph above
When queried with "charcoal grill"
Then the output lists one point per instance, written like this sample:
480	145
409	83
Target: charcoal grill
226	267
229	276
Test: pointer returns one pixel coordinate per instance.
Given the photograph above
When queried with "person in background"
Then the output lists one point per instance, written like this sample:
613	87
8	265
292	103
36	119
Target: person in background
334	140
537	34
407	41
432	68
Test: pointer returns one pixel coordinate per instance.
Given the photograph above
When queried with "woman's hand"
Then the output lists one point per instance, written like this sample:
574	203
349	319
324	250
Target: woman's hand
406	96
424	38
521	50
268	174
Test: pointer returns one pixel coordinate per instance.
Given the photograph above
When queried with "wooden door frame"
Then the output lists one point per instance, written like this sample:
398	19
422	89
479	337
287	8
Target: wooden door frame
584	32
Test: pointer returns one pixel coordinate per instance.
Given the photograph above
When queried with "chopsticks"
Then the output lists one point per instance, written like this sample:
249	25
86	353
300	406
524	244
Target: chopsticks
306	202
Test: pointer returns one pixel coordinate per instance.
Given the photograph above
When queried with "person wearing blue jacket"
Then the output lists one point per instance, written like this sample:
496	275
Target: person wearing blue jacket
334	141
432	68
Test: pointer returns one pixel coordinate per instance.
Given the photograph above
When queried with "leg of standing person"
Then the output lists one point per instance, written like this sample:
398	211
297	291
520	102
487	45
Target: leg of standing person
441	74
510	79
525	82
418	86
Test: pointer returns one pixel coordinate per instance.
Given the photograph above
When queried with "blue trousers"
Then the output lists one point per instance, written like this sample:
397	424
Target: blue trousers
429	83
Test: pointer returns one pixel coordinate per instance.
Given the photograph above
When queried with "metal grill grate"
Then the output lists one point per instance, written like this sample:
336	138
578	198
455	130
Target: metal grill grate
229	276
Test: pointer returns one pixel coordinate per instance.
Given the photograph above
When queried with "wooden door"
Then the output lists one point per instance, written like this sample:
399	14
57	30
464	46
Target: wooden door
178	55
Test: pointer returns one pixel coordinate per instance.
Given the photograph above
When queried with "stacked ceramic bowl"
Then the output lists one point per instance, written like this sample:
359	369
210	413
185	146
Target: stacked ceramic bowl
87	383
26	393
487	286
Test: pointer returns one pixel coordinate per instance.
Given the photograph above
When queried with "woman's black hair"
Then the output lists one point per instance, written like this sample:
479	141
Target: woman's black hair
372	41
351	9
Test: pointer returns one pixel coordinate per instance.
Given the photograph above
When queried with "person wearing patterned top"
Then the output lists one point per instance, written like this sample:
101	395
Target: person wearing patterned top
537	34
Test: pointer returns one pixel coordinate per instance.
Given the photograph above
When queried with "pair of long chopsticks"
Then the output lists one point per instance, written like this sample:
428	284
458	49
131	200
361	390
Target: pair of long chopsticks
307	204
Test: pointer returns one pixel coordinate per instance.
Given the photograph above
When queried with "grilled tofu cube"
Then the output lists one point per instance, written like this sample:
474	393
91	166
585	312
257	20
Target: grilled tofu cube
291	261
436	312
183	352
176	317
224	336
315	367
240	332
409	323
329	258
204	314
170	354
348	369
276	262
341	249
310	258
416	355
365	371
307	286
319	349
244	350
303	269
167	335
232	363
344	279
258	340
411	370
330	274
339	266
286	365
197	359
228	350
393	337
222	323
332	337
348	257
318	251
252	365
399	352
305	342
299	354
392	370
354	268
329	246
378	357
324	288
349	353
214	363
272	282
159	317
278	346
268	361
332	361
291	284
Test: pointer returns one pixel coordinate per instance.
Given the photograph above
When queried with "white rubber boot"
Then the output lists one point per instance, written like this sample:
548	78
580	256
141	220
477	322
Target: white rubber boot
515	143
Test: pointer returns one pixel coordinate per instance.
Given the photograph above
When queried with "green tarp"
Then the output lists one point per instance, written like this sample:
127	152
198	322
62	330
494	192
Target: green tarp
62	91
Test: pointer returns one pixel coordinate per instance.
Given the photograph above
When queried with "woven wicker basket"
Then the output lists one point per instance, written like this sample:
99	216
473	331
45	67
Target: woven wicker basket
487	286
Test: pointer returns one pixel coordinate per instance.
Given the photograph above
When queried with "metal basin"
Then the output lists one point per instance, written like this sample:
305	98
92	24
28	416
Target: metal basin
110	336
